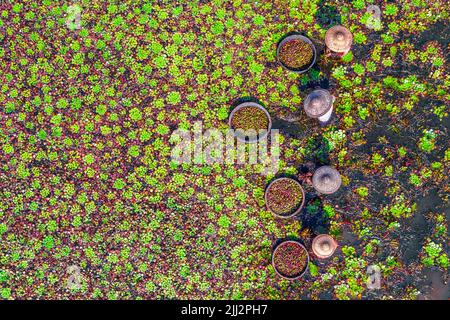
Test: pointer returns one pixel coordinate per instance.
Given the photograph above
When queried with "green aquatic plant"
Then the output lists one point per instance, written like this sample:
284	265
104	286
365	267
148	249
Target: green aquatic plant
427	141
434	255
362	192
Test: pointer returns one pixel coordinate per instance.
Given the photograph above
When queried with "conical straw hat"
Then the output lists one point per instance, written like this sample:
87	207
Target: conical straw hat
338	39
326	180
318	103
324	246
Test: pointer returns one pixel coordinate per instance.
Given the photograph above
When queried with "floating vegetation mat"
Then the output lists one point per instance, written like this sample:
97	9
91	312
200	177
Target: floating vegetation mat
92	205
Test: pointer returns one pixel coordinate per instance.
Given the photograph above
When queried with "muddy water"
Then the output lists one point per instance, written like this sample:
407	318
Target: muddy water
436	285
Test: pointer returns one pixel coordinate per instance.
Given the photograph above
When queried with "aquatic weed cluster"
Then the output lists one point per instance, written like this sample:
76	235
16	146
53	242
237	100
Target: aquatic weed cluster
86	178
